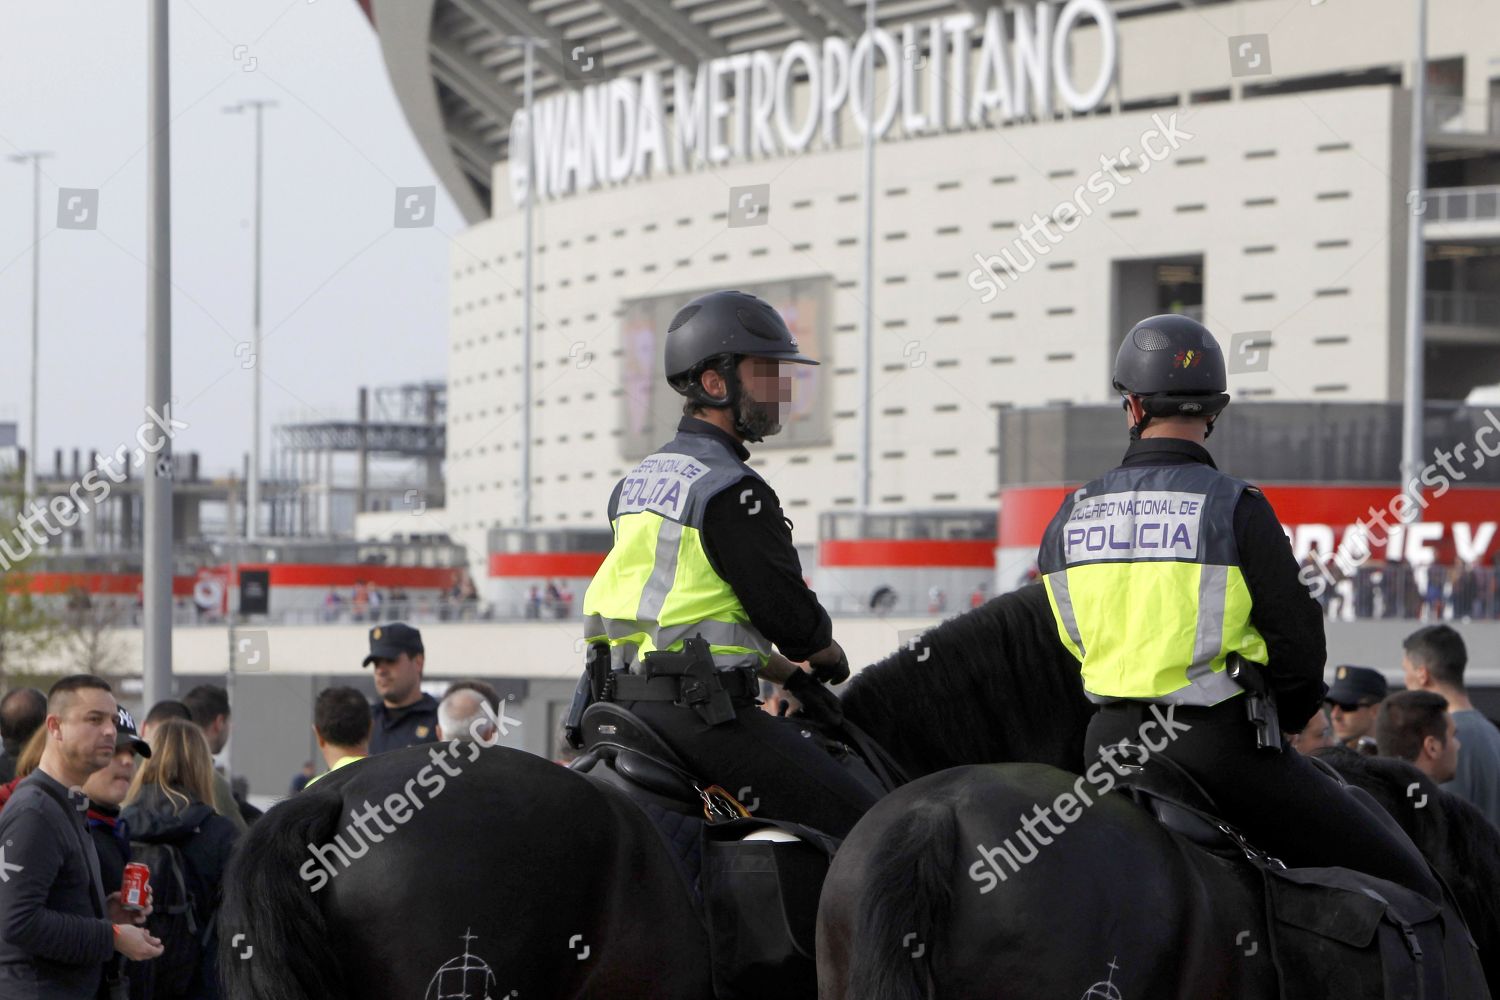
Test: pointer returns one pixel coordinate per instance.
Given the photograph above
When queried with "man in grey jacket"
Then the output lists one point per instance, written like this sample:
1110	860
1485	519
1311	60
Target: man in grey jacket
57	928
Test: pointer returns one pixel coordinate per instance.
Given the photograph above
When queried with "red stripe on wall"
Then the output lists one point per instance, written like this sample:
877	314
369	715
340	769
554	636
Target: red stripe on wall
906	552
546	564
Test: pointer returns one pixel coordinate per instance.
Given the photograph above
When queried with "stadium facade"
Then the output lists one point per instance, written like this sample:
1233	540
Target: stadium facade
1046	173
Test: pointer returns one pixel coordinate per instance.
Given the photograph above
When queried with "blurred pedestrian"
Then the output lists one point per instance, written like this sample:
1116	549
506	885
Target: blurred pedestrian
302	777
209	706
106	790
170	805
1354	699
22	713
1434	659
341	724
1316	733
31	756
1415	726
59	927
404	715
467	715
170	708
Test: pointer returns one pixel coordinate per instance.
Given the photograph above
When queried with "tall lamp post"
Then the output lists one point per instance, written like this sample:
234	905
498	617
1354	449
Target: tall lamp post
868	336
35	159
1416	278
156	632
528	43
252	499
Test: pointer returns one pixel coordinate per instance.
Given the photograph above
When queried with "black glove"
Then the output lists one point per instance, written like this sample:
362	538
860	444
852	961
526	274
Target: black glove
832	673
818	703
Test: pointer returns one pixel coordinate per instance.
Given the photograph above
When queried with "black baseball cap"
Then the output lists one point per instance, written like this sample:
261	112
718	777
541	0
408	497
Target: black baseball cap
1356	686
388	642
126	735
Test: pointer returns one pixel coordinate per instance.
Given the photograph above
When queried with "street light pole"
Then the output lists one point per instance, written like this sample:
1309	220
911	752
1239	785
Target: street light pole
528	44
156	632
252	499
35	159
1416	278
868	360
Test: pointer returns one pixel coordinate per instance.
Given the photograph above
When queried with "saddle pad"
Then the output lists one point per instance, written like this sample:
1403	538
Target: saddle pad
1336	932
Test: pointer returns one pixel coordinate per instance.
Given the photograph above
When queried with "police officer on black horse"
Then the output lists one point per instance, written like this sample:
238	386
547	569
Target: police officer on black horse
702	549
1165	573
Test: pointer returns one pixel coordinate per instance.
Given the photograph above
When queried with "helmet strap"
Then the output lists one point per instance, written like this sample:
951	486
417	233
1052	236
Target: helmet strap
1140	425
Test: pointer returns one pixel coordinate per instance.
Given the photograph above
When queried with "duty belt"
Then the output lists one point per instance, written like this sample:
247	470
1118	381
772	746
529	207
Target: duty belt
740	683
687	678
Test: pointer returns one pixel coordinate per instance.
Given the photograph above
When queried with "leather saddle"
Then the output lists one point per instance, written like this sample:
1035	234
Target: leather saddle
620	749
1180	804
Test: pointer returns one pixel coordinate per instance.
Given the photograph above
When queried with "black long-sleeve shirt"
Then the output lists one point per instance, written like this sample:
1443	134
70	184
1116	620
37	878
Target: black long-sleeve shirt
748	541
1281	609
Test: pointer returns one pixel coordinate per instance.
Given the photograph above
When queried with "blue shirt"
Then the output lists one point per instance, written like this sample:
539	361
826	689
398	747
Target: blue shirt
1478	777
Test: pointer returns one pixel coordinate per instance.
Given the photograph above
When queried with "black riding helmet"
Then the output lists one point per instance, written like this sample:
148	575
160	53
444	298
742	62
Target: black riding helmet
1176	368
717	330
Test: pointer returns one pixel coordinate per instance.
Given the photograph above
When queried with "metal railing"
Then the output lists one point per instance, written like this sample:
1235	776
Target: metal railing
1448	114
1463	308
1463	204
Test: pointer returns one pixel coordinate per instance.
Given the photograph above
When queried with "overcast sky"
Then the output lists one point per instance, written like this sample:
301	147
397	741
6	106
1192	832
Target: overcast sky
349	300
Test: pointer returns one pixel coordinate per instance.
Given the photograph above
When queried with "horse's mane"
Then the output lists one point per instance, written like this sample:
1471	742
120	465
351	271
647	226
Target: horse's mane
1462	844
992	684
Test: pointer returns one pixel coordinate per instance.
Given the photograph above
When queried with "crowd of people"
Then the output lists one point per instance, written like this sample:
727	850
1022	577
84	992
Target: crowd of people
86	792
1463	591
1432	723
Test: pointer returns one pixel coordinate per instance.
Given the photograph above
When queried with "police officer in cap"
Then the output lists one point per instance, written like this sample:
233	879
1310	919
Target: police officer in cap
404	716
701	548
1162	572
1354	700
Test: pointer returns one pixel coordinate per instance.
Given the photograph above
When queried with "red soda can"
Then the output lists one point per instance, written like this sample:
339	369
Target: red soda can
133	886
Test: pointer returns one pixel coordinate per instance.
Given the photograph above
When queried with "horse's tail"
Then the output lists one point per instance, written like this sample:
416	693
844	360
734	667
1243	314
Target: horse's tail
273	939
906	902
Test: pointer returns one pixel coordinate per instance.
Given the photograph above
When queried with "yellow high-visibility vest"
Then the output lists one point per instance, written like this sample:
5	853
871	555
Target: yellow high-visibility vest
657	587
1143	575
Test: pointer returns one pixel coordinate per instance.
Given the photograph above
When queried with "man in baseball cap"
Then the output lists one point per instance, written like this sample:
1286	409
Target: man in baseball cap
126	733
1355	697
404	716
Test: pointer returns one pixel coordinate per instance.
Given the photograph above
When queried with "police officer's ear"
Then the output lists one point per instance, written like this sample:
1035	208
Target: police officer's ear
713	383
1134	411
419	659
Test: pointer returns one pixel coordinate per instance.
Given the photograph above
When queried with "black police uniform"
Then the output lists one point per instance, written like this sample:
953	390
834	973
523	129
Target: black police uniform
779	765
409	725
1282	801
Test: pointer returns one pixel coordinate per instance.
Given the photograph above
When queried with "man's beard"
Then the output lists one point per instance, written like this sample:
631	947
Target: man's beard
754	419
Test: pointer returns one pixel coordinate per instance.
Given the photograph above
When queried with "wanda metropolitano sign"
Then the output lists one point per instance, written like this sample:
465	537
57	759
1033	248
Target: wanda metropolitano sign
755	105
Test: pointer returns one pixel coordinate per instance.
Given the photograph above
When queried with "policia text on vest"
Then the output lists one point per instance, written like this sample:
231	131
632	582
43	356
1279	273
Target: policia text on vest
1143	573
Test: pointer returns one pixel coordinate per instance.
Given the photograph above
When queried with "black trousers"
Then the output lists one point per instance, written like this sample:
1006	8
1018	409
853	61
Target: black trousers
774	765
1284	803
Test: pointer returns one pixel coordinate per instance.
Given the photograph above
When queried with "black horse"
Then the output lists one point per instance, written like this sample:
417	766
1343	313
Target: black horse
1114	906
492	871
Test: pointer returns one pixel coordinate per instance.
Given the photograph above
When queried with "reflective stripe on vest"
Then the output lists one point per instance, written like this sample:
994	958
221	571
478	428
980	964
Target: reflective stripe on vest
657	586
1142	573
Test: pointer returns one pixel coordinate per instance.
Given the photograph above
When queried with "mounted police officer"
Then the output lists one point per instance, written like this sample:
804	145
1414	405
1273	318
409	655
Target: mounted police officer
701	548
1165	573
